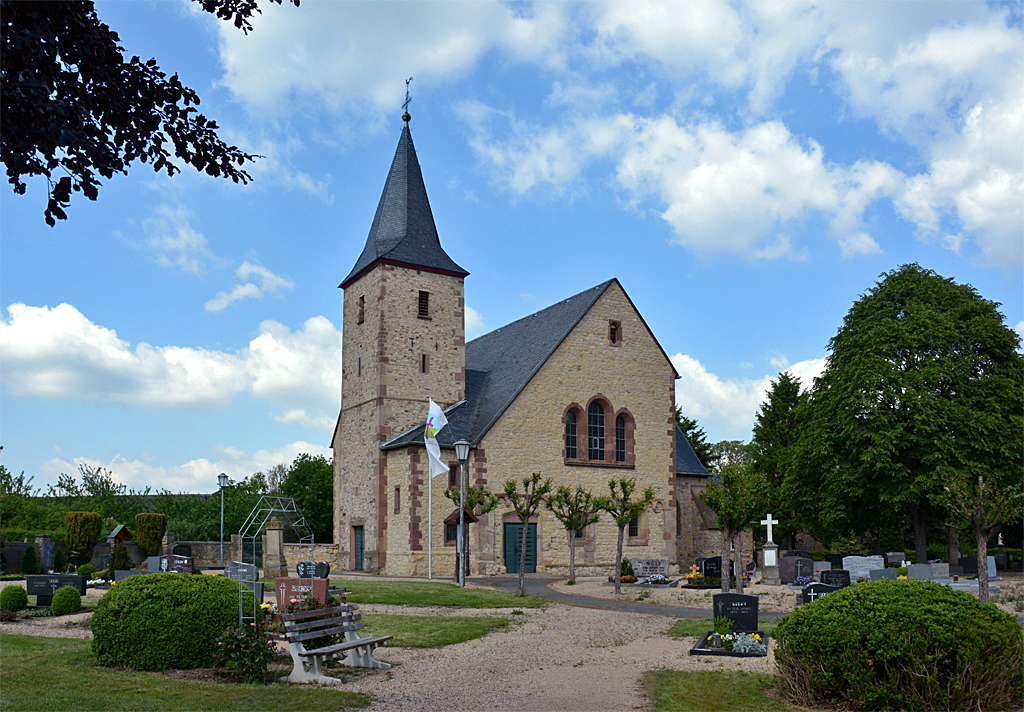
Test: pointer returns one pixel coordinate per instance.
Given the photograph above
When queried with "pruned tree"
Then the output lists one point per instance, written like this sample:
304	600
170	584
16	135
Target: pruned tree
75	110
575	509
480	501
623	508
735	496
985	508
526	504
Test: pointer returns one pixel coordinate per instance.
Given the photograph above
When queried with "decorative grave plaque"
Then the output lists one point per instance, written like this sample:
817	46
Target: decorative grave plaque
649	567
880	574
836	577
43	587
298	588
176	563
305	569
921	572
322	570
859	566
792	566
815	591
740	608
240	571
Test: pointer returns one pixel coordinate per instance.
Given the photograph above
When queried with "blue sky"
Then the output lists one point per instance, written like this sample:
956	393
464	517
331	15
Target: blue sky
745	170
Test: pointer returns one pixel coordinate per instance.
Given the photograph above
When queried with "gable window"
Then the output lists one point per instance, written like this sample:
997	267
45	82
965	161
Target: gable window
634	527
424	305
570	435
595	432
614	333
620	439
362	310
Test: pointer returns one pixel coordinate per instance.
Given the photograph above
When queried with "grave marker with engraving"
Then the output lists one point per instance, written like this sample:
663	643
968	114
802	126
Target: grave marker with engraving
649	567
43	586
176	563
836	577
792	566
880	574
739	608
815	591
920	572
859	566
240	571
298	588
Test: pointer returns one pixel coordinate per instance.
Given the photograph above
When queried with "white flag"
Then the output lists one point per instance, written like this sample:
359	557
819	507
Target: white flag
435	421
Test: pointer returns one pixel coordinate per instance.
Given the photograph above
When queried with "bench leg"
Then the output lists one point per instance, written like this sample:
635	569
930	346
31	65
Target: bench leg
362	656
307	669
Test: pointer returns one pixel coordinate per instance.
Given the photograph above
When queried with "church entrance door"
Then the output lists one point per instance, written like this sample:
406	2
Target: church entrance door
513	548
357	548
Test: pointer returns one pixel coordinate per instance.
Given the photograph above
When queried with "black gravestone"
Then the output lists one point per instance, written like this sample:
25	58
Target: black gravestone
713	567
240	571
322	569
43	587
836	577
835	559
176	563
792	566
817	590
104	562
739	608
47	552
969	564
182	550
305	569
883	574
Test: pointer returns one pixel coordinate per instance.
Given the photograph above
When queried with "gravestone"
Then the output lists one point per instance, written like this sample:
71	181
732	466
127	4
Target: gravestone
969	564
920	572
256	586
815	591
289	588
649	567
182	550
323	569
835	559
878	552
47	551
176	563
859	566
713	567
739	608
104	562
792	566
836	577
43	586
240	571
820	566
940	572
153	564
888	574
993	574
305	569
797	552
120	575
895	557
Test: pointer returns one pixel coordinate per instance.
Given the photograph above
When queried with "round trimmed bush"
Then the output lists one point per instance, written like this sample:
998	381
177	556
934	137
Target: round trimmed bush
163	621
13	598
66	600
900	645
86	570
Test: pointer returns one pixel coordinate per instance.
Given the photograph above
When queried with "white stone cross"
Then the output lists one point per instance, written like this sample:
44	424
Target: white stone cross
769	521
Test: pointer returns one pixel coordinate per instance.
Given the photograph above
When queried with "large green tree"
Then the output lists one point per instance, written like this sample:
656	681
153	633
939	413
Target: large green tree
310	482
76	110
736	494
923	380
696	436
776	432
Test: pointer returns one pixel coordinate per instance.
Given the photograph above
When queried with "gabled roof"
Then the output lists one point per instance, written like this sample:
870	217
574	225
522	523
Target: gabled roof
687	462
500	364
403	230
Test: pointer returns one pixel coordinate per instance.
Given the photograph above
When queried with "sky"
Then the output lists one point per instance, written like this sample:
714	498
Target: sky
746	170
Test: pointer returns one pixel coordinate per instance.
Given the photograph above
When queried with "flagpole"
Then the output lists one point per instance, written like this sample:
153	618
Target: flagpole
430	523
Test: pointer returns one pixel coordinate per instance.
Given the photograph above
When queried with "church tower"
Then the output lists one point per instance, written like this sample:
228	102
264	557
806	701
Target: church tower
404	341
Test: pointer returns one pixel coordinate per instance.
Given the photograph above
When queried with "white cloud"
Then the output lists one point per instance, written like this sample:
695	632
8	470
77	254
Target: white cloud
59	353
727	407
1020	329
225	299
474	323
269	282
178	244
195	476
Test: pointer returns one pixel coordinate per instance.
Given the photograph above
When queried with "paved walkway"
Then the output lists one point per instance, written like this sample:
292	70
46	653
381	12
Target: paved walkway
537	585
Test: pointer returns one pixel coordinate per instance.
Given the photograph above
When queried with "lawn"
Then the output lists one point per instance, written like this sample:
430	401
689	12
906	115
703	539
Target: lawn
707	691
686	627
430	593
431	631
60	674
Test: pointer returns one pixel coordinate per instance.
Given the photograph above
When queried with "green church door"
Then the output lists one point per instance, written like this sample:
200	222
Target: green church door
357	548
514	545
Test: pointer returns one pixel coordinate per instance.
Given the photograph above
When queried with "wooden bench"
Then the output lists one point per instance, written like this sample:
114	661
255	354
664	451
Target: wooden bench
322	623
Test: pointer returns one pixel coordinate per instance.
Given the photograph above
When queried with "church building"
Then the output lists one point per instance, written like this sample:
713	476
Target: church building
581	392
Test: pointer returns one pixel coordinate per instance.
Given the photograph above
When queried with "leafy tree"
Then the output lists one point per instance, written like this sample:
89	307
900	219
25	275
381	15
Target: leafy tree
985	508
575	509
728	451
624	509
29	561
776	432
480	501
72	104
310	482
923	380
695	435
526	504
735	496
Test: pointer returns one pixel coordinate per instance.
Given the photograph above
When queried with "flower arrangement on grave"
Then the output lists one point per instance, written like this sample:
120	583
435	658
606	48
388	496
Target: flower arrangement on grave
802	580
246	650
656	579
745	643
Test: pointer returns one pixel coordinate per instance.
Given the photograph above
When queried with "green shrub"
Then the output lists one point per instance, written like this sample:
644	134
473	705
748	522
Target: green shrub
66	600
247	650
149	532
900	645
60	561
13	598
86	570
119	558
163	621
29	561
82	533
626	568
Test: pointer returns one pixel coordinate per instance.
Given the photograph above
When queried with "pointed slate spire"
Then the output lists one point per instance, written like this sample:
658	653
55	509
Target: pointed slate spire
403	230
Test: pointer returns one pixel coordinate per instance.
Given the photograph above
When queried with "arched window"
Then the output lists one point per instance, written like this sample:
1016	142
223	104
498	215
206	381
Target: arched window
595	430
570	435
620	439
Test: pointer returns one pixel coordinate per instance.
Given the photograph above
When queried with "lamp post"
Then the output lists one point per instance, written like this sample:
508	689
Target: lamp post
462	453
222	481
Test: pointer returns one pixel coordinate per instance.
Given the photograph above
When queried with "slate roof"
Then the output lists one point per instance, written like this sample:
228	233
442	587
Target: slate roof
403	228
500	364
687	462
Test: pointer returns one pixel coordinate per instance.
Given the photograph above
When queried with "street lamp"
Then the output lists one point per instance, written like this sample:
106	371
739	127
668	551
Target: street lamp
462	453
222	480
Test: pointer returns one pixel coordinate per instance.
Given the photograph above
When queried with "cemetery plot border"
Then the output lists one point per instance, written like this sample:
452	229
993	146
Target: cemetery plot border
703	647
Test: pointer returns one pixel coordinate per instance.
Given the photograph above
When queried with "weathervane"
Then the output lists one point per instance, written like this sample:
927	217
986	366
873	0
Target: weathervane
405	106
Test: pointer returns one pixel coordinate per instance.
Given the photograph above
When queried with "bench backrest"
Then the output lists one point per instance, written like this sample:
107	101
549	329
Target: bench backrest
320	623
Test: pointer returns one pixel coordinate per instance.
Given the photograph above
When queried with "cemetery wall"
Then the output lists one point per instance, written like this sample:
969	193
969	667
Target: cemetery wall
294	553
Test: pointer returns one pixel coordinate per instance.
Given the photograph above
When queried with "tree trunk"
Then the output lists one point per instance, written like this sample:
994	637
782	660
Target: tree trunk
618	563
572	556
952	545
725	560
522	559
981	535
920	544
738	538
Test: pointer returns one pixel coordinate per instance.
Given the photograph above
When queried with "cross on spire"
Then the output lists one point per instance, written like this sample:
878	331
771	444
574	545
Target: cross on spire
769	521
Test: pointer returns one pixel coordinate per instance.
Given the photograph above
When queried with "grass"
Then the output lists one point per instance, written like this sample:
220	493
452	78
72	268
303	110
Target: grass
707	691
59	674
430	593
431	631
685	627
